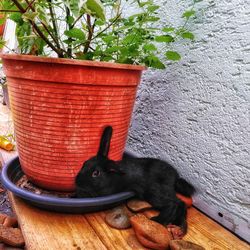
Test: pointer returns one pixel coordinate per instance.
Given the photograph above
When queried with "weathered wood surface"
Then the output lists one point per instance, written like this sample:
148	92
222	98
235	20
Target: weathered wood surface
45	230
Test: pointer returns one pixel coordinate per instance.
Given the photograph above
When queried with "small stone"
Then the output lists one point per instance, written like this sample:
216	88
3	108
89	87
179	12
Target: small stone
177	232
2	218
11	236
138	205
10	222
118	218
150	233
184	245
127	211
151	213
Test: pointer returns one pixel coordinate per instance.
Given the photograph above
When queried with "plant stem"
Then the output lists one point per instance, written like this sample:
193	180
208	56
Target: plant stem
59	51
10	11
92	38
69	50
90	34
30	5
77	19
52	14
54	38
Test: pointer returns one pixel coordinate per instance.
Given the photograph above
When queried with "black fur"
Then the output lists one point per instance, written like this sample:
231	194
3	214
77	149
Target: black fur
152	180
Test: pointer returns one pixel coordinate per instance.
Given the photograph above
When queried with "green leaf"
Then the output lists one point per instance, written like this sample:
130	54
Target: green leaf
129	39
154	62
29	16
2	43
173	55
149	47
164	39
188	35
74	6
108	38
99	22
168	29
187	14
42	14
86	56
151	19
75	33
7	5
95	8
16	17
113	49
70	20
153	8
142	4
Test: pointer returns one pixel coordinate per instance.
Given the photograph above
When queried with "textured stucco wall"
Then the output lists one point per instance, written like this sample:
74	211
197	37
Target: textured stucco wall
195	114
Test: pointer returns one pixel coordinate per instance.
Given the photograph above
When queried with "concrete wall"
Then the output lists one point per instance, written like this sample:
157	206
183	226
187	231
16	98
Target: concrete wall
195	114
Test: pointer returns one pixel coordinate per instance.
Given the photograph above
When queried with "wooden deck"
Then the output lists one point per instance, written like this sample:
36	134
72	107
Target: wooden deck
44	230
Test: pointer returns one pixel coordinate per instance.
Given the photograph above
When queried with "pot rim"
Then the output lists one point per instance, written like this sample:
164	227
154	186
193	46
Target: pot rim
43	59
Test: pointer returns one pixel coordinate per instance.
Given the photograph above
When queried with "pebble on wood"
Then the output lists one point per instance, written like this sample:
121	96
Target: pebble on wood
10	222
11	236
118	218
138	205
2	218
177	232
151	213
150	233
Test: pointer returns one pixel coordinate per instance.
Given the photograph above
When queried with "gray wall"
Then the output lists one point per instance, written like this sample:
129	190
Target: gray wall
195	114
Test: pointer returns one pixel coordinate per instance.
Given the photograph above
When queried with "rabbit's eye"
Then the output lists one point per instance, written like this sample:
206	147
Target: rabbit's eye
96	173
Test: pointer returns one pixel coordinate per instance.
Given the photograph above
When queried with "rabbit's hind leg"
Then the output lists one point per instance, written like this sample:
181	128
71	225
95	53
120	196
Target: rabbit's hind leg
172	212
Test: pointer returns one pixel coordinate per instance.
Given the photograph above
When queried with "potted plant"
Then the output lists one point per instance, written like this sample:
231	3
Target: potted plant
79	68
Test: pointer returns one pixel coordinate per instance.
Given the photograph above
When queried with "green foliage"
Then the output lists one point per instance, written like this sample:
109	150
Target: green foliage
75	33
173	55
188	35
2	43
97	30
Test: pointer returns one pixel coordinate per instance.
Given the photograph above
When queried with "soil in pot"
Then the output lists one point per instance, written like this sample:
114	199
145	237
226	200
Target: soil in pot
24	183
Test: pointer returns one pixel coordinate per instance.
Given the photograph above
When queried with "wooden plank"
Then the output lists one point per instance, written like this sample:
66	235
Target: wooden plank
209	234
44	230
113	239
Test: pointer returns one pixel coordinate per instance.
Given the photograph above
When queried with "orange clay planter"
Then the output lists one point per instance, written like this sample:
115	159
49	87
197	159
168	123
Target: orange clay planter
60	107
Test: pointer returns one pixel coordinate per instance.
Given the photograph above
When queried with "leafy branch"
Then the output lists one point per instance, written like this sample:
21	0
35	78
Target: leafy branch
59	51
97	30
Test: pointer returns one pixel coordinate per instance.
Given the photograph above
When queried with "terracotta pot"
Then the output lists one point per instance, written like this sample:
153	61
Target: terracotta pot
60	107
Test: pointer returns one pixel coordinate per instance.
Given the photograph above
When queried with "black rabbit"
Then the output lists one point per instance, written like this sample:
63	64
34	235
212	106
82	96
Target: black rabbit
152	180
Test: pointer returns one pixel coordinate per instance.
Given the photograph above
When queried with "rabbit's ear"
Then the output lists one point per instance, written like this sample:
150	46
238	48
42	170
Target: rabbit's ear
105	142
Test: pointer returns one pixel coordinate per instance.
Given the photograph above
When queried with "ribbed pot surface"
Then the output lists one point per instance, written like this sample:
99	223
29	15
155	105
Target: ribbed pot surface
60	108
